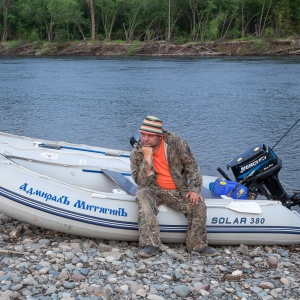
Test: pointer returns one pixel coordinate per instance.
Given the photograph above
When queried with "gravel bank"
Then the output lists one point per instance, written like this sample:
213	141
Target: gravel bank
40	264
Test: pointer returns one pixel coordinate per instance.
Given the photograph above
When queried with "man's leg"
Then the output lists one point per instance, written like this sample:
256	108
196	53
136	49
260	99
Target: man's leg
149	230
196	215
196	235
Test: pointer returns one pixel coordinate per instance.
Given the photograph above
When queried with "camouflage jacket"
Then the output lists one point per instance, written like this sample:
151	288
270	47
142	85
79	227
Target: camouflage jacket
184	168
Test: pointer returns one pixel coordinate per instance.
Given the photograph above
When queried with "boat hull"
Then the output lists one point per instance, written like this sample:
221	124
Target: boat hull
45	202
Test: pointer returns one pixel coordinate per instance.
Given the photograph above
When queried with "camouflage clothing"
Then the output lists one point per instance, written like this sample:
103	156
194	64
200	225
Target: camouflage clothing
186	174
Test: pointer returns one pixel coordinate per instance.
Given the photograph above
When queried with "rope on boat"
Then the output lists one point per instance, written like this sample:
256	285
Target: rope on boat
108	155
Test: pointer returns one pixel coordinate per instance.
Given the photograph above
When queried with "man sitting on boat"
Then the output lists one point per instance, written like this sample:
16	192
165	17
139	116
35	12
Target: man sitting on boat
166	172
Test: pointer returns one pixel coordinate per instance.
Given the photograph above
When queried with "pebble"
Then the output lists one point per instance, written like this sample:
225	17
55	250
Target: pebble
272	261
37	264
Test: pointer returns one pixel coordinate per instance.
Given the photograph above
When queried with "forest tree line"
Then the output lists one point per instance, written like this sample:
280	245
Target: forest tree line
147	20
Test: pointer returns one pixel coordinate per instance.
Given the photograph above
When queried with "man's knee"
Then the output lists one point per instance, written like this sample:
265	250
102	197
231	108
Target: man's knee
145	198
202	205
146	201
143	193
200	208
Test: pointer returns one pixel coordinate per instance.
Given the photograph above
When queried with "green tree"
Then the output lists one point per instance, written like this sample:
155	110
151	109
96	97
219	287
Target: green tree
230	11
195	20
109	12
175	12
256	15
200	14
244	23
287	17
264	14
92	16
154	14
295	15
36	18
65	14
132	18
6	5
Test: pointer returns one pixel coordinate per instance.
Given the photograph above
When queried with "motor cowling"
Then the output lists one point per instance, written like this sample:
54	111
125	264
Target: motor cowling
135	138
258	169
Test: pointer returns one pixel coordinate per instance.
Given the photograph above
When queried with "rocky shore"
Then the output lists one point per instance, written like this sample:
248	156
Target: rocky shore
255	47
39	264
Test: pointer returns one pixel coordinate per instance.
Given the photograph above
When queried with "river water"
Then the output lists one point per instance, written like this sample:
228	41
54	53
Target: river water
221	106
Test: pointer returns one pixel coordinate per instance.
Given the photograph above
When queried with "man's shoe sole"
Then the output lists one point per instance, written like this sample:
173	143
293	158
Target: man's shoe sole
147	255
206	254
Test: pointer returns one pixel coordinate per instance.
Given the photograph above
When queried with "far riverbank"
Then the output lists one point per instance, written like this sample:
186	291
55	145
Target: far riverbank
255	47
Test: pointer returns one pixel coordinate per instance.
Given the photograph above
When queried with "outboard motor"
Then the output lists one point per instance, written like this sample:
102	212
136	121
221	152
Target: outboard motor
135	138
258	168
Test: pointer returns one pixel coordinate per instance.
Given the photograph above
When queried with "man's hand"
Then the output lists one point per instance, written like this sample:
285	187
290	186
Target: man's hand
147	153
194	197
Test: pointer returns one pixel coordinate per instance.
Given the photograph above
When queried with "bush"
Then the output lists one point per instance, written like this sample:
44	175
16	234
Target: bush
134	48
62	35
261	45
269	32
34	36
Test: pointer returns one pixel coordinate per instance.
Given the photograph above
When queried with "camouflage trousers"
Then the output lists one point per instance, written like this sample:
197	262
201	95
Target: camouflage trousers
148	200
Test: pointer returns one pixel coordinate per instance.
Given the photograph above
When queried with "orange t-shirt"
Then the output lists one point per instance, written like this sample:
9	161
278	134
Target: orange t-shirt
164	178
